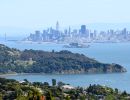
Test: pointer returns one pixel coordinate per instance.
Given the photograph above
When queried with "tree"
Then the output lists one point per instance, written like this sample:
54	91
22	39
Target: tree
46	84
53	51
67	98
82	97
110	97
60	84
116	90
124	93
49	96
19	93
26	80
53	82
1	96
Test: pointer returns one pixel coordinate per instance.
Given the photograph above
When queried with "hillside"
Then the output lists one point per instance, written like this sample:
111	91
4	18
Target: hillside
14	90
63	62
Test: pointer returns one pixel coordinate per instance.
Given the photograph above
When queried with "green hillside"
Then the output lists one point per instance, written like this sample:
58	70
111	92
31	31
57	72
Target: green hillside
63	62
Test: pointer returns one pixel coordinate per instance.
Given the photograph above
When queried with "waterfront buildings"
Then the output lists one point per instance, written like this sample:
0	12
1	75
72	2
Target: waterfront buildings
83	34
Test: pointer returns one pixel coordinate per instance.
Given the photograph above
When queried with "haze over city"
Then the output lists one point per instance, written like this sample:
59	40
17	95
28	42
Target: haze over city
23	16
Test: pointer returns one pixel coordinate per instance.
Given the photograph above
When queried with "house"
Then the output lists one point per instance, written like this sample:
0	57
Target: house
67	88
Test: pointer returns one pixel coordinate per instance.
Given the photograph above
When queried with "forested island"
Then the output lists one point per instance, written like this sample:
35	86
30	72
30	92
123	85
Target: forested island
24	90
63	62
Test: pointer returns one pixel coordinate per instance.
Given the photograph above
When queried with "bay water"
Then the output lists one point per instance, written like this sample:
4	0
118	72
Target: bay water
104	52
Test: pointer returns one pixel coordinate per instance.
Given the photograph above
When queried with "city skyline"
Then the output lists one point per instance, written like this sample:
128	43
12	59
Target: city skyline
82	34
18	32
19	17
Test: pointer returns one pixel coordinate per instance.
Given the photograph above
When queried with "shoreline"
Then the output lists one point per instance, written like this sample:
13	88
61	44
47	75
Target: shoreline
16	74
50	42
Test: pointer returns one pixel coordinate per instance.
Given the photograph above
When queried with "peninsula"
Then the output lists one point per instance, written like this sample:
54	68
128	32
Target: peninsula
63	62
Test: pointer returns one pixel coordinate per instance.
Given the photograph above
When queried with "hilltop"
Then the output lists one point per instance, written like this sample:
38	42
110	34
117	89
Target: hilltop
63	62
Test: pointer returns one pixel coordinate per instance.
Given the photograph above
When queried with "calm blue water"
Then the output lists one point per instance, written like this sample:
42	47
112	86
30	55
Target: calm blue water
103	52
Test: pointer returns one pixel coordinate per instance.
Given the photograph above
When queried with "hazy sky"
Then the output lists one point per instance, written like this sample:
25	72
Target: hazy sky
37	13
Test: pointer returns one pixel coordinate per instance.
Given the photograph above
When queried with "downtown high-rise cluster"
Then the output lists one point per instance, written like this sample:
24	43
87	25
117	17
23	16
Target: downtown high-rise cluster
82	35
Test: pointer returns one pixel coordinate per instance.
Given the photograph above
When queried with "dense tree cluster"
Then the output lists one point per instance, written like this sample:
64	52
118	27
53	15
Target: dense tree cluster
25	90
63	62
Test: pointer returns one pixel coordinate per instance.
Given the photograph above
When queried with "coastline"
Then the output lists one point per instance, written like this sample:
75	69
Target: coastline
8	74
50	42
16	74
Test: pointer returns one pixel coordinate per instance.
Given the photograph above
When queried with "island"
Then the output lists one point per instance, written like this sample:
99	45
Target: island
62	62
76	45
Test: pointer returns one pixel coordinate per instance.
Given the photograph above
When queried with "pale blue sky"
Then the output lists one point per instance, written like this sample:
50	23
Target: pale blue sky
37	13
22	17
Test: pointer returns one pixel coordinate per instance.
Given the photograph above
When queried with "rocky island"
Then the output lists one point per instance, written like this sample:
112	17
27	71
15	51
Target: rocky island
63	62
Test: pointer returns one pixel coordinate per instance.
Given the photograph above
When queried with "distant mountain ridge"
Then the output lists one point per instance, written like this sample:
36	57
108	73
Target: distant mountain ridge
63	62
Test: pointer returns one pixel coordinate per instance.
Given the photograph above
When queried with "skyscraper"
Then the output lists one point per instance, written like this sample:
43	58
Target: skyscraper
83	29
57	26
69	30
